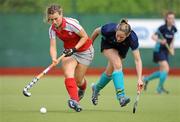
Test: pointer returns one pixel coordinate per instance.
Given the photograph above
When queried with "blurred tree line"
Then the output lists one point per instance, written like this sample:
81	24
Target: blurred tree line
134	8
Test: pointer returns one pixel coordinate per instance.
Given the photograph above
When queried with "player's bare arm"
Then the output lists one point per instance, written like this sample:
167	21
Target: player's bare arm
95	33
156	39
83	39
53	51
138	63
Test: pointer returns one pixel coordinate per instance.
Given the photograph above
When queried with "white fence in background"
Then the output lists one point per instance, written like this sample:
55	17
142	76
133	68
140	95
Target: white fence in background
144	28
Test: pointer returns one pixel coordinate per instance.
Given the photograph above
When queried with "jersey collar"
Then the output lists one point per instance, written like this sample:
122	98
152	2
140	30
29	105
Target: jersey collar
63	25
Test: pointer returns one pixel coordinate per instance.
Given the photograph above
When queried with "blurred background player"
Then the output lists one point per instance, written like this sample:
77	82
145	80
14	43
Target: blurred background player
164	35
116	40
78	52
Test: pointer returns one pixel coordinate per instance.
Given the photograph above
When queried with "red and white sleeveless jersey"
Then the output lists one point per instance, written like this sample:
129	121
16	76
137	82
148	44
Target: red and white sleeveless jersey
69	34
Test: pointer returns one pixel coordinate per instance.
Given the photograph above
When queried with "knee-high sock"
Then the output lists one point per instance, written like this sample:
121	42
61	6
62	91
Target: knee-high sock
71	87
118	79
163	76
152	76
103	81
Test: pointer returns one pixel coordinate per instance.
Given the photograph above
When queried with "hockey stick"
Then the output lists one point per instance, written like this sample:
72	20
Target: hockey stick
137	98
35	79
166	45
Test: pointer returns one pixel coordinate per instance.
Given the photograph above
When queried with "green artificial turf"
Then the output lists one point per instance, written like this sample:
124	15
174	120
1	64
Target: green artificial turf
50	92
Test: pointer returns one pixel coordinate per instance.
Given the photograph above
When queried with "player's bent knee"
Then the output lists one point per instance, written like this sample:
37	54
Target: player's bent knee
78	83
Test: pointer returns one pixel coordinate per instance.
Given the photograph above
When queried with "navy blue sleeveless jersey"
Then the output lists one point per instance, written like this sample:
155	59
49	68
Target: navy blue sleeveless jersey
167	34
160	51
109	41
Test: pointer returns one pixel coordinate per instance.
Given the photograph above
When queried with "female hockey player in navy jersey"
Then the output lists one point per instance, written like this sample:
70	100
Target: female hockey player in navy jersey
164	37
115	42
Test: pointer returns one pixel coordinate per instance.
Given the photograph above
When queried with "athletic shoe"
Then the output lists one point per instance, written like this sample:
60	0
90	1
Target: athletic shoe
162	90
123	101
81	93
145	83
165	91
74	105
94	95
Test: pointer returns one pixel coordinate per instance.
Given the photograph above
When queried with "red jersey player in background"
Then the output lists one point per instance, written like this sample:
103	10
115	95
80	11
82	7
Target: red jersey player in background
78	52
